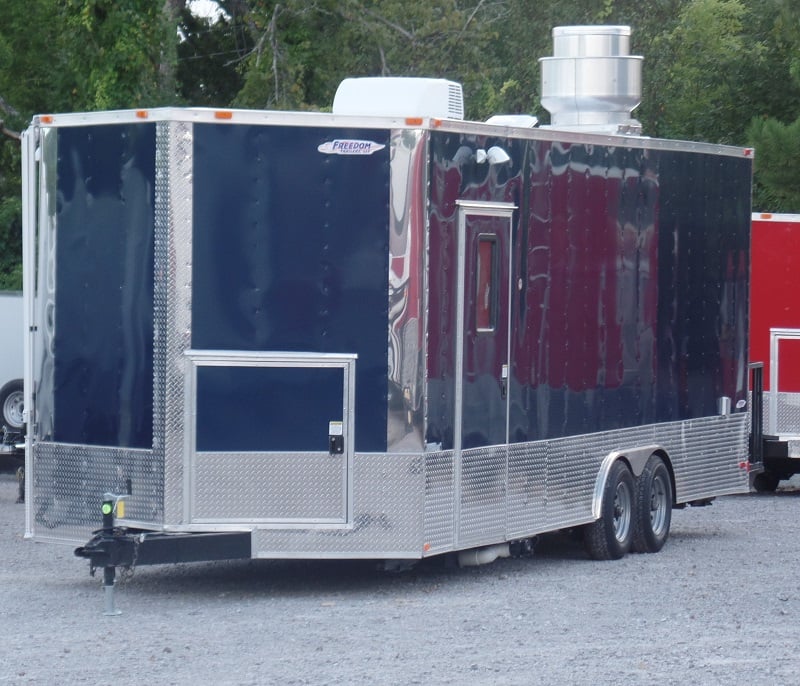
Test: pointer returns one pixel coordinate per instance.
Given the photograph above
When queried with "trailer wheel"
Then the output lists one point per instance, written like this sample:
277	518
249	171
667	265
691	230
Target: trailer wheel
12	401
766	482
611	536
653	507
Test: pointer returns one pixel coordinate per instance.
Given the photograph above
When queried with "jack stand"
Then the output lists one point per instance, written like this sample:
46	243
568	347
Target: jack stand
110	503
108	587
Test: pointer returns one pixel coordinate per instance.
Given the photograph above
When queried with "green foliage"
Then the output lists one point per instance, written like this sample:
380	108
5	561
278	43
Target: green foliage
208	55
17	94
290	65
777	164
122	53
29	53
701	92
10	243
302	50
10	217
710	65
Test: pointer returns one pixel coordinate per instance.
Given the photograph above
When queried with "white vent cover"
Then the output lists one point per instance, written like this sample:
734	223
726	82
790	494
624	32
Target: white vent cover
399	96
522	121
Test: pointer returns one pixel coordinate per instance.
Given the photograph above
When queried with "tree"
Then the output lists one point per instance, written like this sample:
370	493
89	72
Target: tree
699	86
777	144
710	65
302	50
777	164
297	48
27	79
122	53
210	52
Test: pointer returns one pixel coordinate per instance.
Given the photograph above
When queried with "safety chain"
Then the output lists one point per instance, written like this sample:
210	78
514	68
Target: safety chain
127	573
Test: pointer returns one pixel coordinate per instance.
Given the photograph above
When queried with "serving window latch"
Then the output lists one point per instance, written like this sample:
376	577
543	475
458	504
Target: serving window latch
335	438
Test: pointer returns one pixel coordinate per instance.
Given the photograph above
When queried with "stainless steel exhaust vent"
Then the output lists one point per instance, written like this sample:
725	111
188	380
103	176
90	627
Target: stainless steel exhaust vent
591	83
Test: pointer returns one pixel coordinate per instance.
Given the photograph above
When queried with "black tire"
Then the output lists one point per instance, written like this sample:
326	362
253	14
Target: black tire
12	402
766	482
653	507
611	536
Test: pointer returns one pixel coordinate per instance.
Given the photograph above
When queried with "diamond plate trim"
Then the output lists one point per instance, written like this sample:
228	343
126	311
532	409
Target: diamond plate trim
174	156
787	417
250	487
404	505
70	480
550	484
388	491
483	496
439	501
527	483
706	454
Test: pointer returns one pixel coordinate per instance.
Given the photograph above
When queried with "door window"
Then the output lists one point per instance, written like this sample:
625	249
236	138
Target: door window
486	273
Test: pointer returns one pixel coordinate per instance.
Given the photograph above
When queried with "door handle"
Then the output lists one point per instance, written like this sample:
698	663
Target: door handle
335	438
504	382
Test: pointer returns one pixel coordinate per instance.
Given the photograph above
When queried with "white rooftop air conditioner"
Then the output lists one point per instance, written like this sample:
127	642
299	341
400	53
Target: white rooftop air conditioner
399	96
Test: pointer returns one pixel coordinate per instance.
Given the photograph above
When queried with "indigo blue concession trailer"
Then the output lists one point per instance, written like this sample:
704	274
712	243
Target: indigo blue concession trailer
384	332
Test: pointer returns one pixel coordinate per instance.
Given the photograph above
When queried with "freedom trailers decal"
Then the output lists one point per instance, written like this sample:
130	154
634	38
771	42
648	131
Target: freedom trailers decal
350	147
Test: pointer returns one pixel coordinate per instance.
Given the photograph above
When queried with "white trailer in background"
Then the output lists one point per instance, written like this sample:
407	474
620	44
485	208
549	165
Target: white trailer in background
11	370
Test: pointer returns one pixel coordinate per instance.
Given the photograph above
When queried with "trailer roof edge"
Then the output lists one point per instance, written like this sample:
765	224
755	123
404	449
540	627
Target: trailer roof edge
327	119
226	116
776	217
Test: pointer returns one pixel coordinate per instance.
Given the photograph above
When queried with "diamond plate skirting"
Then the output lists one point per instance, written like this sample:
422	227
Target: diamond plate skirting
253	487
388	495
550	485
786	421
404	505
508	493
69	482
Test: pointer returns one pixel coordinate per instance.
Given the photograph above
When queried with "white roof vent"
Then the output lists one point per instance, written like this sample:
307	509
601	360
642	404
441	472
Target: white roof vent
522	121
399	96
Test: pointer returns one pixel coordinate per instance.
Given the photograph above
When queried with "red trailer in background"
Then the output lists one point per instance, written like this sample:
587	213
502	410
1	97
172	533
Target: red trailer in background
775	340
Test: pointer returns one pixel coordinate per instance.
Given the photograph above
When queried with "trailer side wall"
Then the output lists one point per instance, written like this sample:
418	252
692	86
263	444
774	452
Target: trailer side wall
629	286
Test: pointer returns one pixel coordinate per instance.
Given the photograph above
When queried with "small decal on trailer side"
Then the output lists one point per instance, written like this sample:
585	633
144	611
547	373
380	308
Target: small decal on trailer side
349	146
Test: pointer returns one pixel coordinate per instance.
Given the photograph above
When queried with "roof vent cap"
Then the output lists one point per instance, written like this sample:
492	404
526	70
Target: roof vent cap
591	83
521	121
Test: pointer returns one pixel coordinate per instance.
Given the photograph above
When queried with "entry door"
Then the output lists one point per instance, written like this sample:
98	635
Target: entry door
271	437
484	305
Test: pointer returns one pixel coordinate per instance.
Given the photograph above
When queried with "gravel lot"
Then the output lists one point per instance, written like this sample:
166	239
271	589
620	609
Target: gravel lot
720	604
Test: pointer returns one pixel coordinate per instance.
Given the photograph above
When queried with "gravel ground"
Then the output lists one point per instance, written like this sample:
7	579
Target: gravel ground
720	604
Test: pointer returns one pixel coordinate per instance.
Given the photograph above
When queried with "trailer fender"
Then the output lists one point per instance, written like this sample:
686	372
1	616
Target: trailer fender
636	458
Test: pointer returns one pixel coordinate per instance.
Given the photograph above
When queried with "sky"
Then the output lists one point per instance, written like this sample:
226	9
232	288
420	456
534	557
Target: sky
205	8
